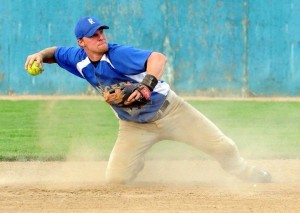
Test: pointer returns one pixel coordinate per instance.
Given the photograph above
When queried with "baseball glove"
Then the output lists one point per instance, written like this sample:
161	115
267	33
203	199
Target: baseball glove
118	96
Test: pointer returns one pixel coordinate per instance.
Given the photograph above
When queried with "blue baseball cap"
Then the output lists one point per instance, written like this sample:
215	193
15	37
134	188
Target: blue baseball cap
87	26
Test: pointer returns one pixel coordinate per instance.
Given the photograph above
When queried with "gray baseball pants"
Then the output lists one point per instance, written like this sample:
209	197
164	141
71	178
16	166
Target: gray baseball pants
179	121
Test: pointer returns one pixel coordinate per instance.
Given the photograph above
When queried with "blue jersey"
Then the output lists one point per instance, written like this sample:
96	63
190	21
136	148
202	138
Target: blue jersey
121	64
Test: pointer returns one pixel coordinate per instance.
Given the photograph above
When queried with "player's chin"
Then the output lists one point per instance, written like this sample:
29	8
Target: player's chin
103	47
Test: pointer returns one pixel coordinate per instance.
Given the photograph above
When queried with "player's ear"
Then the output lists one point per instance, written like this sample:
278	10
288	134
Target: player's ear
80	42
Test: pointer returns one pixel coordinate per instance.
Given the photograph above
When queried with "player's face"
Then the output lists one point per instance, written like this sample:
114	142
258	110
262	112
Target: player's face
97	43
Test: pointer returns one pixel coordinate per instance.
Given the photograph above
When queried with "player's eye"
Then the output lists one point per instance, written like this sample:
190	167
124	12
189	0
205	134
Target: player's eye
99	32
93	35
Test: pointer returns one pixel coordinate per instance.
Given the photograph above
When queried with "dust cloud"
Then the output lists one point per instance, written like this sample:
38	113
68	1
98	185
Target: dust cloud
166	163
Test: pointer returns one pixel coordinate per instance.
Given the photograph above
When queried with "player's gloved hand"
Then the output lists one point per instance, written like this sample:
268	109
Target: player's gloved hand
138	97
131	95
113	96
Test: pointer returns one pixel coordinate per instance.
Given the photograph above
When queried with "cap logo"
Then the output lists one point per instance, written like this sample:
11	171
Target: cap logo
91	21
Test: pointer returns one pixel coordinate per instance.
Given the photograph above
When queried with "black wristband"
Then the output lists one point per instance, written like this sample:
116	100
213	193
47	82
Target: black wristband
150	81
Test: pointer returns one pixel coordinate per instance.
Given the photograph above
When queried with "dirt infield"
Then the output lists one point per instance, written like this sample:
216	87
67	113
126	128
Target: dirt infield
163	186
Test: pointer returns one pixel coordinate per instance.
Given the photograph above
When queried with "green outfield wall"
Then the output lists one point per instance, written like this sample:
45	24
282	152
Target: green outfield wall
214	47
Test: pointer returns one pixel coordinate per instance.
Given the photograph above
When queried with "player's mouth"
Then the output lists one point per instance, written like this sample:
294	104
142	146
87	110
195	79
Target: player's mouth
102	44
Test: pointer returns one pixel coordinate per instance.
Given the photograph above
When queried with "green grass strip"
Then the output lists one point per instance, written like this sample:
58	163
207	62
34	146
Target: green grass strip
87	129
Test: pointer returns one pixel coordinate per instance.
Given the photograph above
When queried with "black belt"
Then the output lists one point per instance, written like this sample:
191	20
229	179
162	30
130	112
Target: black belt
164	106
161	110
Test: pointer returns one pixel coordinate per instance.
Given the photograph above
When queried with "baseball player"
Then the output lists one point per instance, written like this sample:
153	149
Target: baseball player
148	110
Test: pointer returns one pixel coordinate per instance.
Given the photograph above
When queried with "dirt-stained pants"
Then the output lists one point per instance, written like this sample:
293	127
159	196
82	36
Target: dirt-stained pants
179	122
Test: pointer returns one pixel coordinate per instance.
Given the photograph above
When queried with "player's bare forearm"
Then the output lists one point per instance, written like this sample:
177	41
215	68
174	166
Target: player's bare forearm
155	67
48	55
156	64
43	56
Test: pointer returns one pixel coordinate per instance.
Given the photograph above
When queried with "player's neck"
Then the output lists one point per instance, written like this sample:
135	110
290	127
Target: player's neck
95	57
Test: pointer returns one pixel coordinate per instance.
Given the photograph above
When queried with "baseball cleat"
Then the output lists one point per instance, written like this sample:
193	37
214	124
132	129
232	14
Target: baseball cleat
260	176
255	175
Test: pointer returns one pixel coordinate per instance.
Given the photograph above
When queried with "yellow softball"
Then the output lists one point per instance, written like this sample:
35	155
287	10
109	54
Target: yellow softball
34	69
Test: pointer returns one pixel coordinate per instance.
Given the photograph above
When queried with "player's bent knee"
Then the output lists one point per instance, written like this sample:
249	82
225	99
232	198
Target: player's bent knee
113	177
115	181
119	179
123	175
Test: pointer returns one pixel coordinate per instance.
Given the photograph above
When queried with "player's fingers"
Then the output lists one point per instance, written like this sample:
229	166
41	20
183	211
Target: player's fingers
138	95
131	97
39	61
34	57
40	64
29	61
134	96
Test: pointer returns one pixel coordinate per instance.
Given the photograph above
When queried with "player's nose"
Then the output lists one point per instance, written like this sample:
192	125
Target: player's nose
99	35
